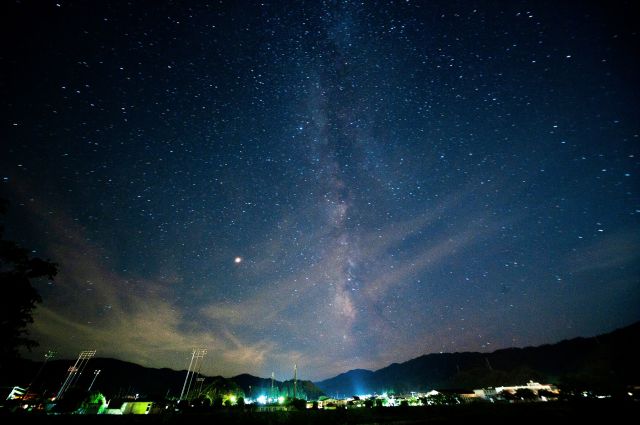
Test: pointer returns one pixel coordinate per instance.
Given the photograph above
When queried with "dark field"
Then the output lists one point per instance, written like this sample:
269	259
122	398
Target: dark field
594	411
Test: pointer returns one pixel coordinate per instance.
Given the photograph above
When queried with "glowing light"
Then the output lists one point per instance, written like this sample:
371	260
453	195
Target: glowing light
233	399
237	260
280	399
262	399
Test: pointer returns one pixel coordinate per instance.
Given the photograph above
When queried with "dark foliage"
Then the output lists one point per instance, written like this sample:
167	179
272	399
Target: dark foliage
253	386
298	403
17	271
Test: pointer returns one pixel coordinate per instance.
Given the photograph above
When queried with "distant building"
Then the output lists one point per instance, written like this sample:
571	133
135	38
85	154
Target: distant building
114	407
467	395
534	387
486	392
332	403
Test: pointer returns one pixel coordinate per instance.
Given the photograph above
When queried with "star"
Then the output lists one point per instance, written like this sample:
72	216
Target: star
377	165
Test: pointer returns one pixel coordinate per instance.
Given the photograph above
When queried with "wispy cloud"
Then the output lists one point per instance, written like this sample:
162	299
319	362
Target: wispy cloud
607	252
91	306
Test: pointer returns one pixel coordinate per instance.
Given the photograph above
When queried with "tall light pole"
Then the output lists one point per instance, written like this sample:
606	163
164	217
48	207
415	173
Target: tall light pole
295	381
48	356
196	361
273	377
95	376
201	380
75	371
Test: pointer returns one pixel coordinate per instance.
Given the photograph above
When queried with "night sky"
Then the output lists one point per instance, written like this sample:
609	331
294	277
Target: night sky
334	184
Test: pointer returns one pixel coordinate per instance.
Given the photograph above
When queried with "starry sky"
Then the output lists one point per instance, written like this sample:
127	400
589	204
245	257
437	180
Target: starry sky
336	184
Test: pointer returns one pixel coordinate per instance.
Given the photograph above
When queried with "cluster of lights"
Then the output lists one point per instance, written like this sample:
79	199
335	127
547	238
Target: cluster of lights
264	400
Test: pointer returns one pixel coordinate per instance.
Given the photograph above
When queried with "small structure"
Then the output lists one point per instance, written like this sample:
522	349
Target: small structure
332	403
16	393
137	407
129	407
486	393
114	407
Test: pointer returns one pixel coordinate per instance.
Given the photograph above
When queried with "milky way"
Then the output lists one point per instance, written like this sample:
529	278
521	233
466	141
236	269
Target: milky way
334	184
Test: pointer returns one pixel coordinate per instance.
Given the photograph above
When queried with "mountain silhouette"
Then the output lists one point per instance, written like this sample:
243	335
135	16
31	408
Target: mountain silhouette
120	379
605	362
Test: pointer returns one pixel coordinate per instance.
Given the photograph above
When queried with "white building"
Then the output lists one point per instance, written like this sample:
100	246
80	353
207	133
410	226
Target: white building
535	387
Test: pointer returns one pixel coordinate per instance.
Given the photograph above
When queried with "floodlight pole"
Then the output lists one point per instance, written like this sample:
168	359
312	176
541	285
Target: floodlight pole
49	355
95	376
295	380
273	377
196	355
81	362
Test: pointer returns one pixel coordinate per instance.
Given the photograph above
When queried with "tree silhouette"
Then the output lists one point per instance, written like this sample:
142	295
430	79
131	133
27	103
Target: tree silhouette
19	297
525	394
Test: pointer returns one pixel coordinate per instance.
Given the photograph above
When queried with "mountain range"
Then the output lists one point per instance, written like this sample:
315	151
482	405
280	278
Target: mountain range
606	361
121	379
